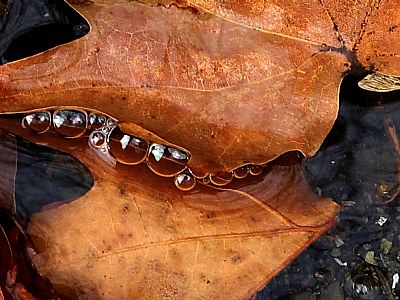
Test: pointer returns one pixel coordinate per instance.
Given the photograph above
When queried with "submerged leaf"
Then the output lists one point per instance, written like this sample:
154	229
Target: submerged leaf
137	232
140	234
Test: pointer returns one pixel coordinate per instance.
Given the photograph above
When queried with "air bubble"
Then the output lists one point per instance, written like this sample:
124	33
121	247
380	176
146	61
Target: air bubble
37	121
206	180
367	282
96	121
157	151
166	161
256	170
241	172
125	148
111	122
221	180
185	181
106	129
97	139
70	123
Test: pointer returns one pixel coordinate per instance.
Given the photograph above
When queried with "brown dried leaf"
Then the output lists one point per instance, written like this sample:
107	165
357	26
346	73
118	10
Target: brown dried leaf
134	235
247	95
233	82
378	49
257	75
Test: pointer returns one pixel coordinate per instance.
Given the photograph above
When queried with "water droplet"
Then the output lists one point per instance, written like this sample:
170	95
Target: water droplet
206	180
222	179
157	151
97	139
166	161
256	170
111	122
96	121
367	282
241	172
106	129
177	154
185	181
38	121
127	149
70	123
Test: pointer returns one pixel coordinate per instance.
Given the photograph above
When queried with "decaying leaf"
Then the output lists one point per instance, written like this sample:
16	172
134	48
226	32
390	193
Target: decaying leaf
137	243
377	82
8	166
134	235
18	278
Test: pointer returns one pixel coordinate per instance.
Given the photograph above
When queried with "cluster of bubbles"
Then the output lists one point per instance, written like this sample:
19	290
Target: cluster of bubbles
106	135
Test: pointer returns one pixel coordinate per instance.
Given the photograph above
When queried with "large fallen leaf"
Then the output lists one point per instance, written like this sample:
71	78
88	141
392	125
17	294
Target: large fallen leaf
249	80
134	235
245	94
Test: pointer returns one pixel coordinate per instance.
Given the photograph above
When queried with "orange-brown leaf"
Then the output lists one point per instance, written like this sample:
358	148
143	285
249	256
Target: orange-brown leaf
250	80
247	95
134	235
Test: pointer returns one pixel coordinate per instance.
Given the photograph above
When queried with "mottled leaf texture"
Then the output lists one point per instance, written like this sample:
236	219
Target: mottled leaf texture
233	82
135	236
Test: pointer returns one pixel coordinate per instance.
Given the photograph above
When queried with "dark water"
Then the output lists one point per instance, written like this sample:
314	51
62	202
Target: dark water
46	176
357	166
29	27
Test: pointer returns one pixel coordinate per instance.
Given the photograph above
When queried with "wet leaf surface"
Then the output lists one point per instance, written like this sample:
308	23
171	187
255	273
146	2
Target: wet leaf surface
213	68
193	67
137	231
